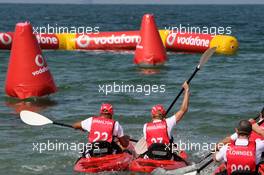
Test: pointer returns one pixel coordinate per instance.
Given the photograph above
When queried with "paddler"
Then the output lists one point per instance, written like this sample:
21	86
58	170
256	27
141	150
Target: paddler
104	129
257	134
241	155
158	132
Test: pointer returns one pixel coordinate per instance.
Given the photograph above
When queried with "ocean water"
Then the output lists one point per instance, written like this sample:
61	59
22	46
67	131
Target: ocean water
227	89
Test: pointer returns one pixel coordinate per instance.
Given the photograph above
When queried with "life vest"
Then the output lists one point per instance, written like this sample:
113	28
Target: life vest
254	136
101	130
241	158
156	132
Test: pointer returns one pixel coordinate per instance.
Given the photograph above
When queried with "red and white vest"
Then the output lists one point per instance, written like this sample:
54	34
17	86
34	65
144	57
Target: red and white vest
101	130
254	136
241	157
156	132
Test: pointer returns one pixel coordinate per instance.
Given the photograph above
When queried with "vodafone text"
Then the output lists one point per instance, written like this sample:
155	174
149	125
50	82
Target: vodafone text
84	41
47	39
190	40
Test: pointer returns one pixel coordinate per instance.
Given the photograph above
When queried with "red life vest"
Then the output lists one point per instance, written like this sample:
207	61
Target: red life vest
254	136
101	130
156	132
241	157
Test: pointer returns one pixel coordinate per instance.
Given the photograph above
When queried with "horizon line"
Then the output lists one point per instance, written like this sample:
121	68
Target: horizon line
96	3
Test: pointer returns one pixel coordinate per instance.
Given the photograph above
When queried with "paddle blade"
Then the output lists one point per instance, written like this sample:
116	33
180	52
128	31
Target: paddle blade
205	57
34	119
141	146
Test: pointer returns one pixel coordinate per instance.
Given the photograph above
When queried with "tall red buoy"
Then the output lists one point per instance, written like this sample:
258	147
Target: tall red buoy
28	74
150	50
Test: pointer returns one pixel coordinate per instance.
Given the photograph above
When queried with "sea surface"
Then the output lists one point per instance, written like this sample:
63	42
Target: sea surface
226	90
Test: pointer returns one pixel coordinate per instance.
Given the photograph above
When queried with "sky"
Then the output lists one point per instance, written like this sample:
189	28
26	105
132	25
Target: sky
138	1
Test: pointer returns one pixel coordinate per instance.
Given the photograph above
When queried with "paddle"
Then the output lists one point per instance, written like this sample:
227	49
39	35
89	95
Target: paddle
197	168
35	119
141	147
204	58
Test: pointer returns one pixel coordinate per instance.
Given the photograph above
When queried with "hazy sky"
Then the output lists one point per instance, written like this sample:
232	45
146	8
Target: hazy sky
139	1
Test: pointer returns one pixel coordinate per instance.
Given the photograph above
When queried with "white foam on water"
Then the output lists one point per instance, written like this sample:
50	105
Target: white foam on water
37	168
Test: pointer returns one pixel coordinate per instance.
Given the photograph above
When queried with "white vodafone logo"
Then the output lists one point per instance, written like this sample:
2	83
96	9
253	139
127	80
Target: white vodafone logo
171	39
47	39
39	60
5	38
83	41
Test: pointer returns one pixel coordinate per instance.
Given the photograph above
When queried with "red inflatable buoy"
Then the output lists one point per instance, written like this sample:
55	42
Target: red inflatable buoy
28	74
150	50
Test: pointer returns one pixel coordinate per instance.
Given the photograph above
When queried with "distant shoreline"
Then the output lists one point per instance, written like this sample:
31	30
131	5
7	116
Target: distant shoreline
136	4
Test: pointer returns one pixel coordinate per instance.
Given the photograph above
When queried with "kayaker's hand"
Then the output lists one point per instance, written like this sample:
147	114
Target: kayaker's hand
252	121
126	137
124	141
77	125
185	86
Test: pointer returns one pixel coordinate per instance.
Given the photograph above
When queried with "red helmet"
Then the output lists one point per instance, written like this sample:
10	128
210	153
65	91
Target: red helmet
158	109
106	108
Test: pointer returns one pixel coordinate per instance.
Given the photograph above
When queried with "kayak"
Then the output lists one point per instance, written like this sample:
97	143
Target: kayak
115	162
148	165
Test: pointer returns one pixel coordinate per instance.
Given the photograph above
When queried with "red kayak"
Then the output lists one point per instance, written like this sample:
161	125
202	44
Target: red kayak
148	165
115	162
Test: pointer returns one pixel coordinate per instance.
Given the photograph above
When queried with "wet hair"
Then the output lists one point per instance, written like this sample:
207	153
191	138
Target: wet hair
262	112
244	127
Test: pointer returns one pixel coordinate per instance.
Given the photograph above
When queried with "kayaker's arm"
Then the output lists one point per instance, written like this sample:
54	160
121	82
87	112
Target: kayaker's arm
221	154
258	129
78	125
223	142
255	126
185	103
